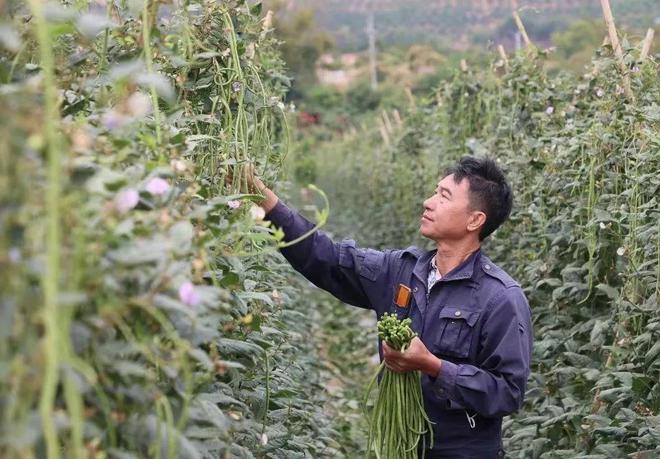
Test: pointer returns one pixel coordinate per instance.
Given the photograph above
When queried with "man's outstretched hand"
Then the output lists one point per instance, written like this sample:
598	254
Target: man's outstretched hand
257	186
416	357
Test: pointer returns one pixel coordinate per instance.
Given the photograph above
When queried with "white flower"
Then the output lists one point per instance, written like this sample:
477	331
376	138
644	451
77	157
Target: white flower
236	86
550	110
234	204
620	251
188	295
138	104
600	92
178	165
264	439
257	212
635	69
125	200
602	225
157	186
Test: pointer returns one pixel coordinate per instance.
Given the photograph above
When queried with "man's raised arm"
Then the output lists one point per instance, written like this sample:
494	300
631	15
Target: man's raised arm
349	273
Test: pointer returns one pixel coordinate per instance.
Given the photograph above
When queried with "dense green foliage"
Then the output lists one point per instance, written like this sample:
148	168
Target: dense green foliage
144	313
583	239
141	314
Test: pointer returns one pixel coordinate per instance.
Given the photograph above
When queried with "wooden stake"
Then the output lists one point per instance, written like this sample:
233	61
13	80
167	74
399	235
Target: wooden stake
387	122
646	46
397	117
614	39
521	28
411	98
464	66
383	132
500	49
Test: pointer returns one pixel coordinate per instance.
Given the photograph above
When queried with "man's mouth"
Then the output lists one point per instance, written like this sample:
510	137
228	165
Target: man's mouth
424	217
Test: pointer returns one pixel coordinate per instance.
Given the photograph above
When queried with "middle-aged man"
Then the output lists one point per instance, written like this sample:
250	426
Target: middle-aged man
472	319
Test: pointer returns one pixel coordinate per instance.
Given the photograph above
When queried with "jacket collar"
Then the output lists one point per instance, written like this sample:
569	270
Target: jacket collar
463	271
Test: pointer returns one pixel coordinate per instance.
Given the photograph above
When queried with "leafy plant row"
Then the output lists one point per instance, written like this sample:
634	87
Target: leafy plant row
141	314
583	239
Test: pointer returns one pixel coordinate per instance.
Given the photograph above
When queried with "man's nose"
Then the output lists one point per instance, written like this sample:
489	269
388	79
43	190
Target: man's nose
427	204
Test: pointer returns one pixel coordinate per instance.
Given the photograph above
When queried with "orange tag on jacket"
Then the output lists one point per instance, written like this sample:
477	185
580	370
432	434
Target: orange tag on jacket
402	296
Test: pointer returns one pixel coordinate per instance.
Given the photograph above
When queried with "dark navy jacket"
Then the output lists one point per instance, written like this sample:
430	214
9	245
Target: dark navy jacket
476	319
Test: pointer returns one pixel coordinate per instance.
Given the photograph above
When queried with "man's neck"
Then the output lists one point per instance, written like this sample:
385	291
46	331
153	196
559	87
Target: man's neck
451	254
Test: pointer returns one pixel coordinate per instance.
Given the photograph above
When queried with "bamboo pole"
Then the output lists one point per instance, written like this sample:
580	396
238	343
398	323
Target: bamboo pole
521	28
500	49
464	66
397	117
614	39
383	132
387	121
411	98
646	44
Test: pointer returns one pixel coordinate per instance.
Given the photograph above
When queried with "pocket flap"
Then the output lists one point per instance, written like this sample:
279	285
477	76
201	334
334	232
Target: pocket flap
470	317
372	263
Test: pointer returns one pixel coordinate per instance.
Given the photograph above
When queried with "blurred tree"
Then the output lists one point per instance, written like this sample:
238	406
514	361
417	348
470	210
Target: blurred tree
303	43
580	35
361	98
323	98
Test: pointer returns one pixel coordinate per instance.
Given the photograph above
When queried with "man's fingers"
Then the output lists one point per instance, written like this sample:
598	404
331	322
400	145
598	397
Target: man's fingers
395	368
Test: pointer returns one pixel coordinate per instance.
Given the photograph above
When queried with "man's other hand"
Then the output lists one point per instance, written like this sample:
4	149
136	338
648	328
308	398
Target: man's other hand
416	357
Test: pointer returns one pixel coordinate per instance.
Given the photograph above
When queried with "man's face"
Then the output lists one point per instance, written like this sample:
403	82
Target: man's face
447	213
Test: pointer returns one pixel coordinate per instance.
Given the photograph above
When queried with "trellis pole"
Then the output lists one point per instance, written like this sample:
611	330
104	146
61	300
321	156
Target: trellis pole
614	40
500	49
646	44
521	28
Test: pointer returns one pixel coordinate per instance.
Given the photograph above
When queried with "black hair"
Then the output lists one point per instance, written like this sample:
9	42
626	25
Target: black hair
489	190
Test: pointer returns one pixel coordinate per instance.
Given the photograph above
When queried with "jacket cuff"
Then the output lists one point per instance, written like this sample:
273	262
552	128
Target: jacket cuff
280	215
444	385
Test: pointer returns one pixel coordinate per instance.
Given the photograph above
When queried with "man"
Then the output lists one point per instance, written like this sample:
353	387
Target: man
472	319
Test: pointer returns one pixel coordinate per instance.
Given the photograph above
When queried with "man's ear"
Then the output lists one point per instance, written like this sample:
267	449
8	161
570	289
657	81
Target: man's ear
476	221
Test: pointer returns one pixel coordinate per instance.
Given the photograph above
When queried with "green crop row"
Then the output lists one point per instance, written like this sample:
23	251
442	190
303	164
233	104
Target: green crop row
583	239
142	310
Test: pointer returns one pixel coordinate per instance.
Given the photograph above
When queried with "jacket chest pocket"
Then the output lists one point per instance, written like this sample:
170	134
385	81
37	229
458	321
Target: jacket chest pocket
454	331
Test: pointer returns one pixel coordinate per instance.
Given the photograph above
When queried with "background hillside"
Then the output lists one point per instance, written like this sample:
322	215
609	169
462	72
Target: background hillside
460	24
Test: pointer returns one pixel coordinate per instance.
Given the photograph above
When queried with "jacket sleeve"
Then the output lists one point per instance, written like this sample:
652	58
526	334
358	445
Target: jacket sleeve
347	272
496	387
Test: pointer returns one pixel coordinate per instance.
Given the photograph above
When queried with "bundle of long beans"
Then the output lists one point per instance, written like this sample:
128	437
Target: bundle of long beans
398	421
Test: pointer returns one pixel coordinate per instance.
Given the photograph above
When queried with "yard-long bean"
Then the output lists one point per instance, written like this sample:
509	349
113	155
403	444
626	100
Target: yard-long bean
398	420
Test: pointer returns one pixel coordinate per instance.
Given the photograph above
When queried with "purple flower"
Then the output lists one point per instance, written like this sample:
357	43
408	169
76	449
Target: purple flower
188	295
113	120
600	92
234	204
236	86
157	186
14	255
125	200
550	110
